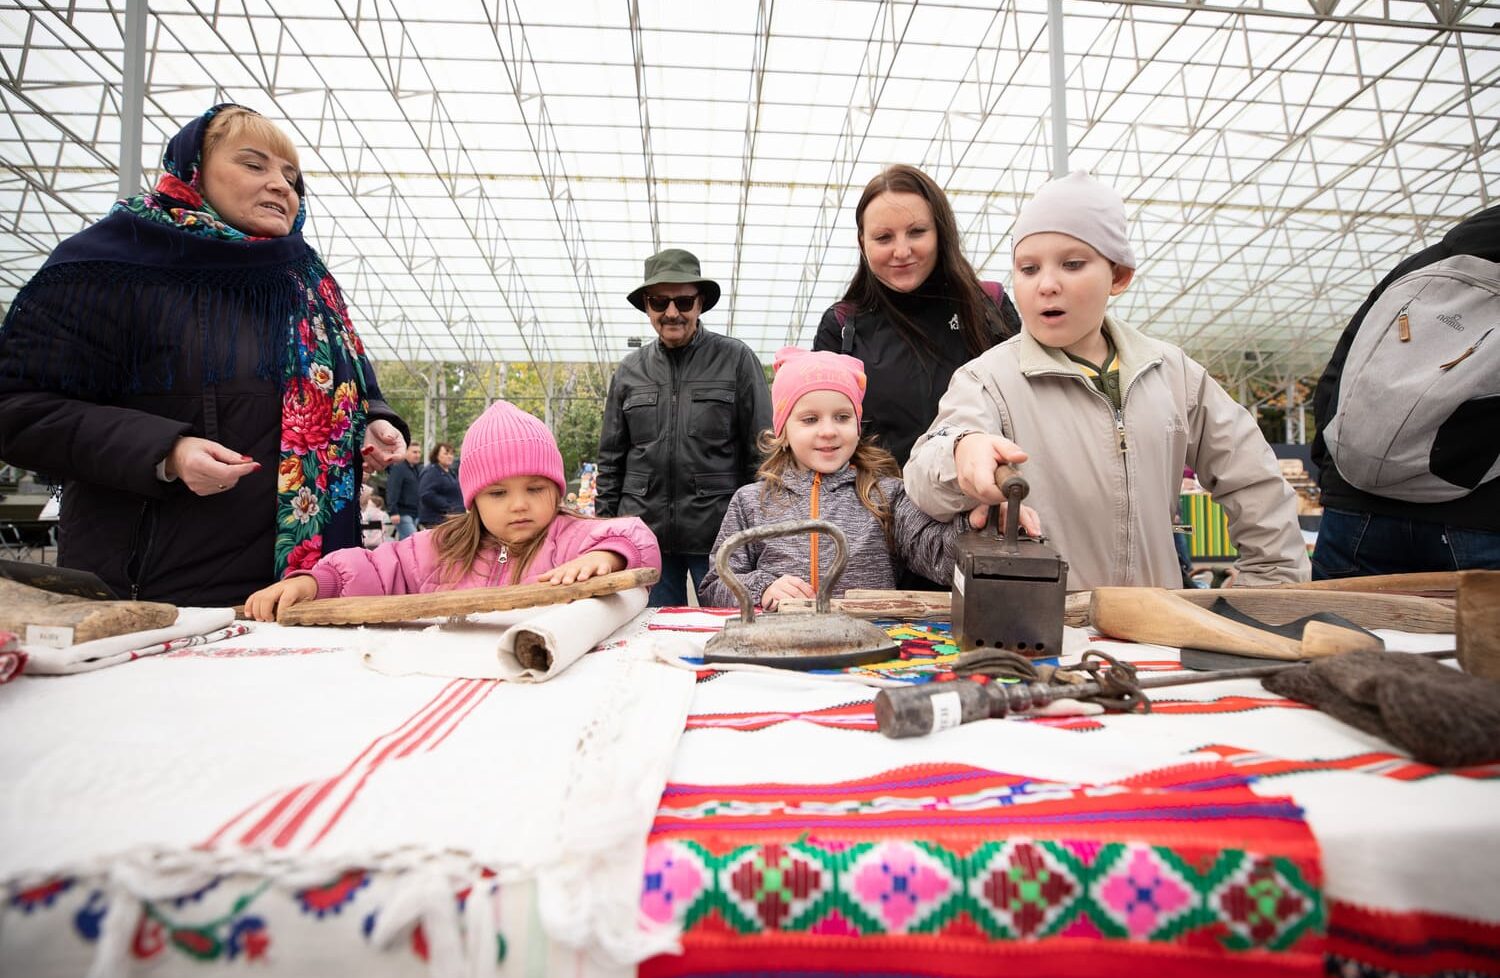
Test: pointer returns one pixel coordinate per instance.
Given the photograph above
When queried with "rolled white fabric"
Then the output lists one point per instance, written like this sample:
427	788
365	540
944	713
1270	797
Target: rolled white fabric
538	643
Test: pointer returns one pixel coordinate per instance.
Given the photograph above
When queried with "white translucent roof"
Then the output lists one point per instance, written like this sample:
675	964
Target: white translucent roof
487	176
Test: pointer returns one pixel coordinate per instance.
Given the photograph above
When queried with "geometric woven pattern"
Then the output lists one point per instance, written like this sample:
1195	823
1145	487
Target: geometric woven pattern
1019	889
1185	866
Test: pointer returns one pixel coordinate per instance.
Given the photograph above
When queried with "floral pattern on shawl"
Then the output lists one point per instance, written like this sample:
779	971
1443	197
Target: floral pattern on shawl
324	408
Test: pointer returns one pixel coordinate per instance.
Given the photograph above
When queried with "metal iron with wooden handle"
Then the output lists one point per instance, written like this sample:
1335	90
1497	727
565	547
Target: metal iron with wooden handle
1159	617
446	604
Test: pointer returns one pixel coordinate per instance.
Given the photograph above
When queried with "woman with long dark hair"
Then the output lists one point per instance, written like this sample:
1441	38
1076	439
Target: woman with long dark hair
914	311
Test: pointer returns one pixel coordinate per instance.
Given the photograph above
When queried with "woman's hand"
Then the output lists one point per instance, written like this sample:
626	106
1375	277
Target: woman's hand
1030	521
206	467
785	586
263	604
977	457
595	563
383	445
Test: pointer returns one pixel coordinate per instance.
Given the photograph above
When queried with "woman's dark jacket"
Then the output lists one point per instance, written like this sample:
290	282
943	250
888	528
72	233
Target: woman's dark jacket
99	418
441	495
904	384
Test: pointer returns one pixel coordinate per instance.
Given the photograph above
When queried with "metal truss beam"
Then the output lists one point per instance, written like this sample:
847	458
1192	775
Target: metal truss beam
887	33
763	14
509	34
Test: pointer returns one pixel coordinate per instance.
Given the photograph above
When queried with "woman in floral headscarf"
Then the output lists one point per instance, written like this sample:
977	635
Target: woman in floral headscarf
188	368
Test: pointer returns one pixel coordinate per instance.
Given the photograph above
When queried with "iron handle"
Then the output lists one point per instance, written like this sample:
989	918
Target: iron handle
822	605
1010	482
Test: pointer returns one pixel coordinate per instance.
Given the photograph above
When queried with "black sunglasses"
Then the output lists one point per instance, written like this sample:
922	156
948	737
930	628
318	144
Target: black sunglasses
659	303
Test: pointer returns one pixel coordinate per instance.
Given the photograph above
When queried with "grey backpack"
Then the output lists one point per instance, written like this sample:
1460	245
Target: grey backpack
1418	416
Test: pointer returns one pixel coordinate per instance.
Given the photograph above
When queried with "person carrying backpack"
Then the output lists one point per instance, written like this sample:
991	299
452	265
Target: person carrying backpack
1408	409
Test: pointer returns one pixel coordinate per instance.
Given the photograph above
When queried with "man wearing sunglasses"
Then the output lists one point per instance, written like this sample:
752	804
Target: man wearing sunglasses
680	423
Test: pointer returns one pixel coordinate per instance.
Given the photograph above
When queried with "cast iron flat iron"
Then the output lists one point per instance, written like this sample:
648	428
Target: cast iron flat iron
823	639
1008	591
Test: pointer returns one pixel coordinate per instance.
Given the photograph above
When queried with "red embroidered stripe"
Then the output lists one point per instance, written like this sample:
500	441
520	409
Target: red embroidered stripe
285	813
1414	943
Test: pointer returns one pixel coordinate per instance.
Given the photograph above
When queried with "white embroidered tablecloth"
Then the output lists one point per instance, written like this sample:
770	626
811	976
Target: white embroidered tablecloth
486	826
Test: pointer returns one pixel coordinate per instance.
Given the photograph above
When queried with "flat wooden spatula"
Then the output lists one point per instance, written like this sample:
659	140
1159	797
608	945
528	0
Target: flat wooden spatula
447	604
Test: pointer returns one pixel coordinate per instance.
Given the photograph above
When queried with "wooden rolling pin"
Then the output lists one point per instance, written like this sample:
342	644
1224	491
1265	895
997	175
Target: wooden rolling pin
447	604
1160	617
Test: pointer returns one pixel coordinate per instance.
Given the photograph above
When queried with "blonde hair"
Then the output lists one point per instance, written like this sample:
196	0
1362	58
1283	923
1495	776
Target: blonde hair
462	538
237	122
871	464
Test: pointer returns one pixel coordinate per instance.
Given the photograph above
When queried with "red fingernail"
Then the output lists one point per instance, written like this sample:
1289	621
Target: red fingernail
257	467
368	449
246	458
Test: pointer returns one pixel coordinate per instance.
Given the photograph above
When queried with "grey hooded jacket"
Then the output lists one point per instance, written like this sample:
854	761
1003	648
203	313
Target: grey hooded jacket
921	543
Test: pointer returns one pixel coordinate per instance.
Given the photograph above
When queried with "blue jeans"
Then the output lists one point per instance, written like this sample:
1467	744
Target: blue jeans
1357	544
671	590
405	526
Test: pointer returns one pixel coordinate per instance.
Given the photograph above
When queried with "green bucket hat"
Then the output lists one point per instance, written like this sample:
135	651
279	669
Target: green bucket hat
675	267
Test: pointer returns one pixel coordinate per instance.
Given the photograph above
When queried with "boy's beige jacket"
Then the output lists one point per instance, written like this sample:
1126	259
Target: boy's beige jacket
1109	511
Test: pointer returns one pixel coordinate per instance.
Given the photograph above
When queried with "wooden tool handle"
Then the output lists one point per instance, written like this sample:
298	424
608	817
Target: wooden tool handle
442	604
1159	617
1321	638
1276	606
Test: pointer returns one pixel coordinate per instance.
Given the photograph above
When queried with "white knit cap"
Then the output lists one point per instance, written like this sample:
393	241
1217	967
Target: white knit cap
1080	206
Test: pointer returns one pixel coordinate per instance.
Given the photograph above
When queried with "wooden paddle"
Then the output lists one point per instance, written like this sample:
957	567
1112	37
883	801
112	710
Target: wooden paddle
1160	617
1275	606
1432	585
446	604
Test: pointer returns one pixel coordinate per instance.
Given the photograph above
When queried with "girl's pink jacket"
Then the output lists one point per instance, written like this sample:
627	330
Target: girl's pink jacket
410	566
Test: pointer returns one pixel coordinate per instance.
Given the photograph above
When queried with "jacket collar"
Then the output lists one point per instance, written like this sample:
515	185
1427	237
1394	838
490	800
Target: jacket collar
1135	350
801	479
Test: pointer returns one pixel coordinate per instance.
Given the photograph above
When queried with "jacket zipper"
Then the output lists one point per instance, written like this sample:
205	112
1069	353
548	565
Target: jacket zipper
672	441
145	525
1119	414
813	537
1403	323
498	568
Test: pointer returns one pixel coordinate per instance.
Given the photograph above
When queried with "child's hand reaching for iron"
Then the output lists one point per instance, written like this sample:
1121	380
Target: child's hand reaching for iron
595	563
1030	521
785	586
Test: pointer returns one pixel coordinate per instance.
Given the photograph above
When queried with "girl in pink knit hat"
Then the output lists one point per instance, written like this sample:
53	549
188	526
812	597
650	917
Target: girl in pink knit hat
514	530
817	466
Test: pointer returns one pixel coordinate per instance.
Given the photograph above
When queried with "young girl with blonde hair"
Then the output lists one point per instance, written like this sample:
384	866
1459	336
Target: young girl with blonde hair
514	530
818	467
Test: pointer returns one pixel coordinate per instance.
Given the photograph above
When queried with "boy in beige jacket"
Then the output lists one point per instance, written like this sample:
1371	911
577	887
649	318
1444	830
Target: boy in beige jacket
1108	417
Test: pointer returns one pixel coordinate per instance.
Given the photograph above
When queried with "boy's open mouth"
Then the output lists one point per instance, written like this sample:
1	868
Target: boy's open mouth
1051	313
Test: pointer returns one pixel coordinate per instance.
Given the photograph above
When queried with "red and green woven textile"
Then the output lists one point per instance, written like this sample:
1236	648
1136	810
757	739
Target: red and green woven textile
954	870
